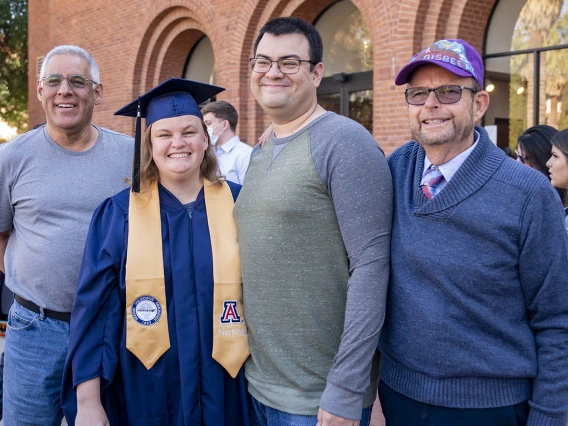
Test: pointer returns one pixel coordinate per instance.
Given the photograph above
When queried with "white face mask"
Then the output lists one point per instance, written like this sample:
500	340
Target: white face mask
213	137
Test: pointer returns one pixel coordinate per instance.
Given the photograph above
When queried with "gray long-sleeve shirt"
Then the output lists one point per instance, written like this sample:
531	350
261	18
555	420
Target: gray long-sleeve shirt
314	219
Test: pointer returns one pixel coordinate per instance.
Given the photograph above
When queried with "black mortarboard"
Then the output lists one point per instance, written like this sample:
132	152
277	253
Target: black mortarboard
172	98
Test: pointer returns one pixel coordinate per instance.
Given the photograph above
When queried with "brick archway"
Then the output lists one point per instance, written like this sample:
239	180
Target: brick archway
414	26
136	47
165	45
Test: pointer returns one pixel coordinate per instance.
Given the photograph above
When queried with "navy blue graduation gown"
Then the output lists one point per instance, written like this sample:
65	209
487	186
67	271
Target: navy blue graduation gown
186	386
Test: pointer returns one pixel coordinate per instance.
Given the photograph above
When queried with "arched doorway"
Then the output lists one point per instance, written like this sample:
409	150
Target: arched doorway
200	63
526	57
347	86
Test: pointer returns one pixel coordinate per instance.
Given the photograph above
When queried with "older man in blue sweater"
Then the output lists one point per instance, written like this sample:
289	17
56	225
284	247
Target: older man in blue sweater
476	331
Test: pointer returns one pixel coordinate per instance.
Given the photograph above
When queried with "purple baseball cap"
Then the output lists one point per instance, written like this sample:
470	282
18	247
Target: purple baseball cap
456	56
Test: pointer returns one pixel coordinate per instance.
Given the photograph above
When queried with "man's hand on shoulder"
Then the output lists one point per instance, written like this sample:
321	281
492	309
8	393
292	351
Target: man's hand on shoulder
265	136
328	419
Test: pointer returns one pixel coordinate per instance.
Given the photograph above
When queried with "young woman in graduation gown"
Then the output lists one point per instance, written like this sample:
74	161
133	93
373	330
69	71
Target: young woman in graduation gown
142	346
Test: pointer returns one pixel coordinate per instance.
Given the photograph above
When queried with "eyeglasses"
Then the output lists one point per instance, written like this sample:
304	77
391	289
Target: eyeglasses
75	81
286	66
449	94
520	156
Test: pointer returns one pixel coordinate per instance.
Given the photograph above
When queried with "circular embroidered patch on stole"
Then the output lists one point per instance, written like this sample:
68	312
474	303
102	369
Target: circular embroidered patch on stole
146	310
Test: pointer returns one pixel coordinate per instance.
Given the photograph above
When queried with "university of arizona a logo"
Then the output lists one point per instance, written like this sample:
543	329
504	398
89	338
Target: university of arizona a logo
230	314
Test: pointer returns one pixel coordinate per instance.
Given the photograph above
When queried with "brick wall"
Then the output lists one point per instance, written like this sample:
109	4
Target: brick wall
138	43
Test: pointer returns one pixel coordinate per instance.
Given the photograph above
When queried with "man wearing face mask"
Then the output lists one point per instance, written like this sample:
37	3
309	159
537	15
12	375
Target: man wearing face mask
233	155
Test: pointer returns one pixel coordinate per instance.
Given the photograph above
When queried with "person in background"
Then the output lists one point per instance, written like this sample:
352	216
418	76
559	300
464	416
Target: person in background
508	152
534	147
558	166
157	329
51	180
233	155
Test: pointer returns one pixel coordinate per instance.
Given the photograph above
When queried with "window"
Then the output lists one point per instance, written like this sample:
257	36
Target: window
526	56
347	86
200	64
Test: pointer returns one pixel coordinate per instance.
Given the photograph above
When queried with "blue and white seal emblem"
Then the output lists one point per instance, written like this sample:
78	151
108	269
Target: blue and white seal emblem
146	310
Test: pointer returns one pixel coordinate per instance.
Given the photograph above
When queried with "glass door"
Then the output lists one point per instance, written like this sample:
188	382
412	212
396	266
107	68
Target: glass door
350	95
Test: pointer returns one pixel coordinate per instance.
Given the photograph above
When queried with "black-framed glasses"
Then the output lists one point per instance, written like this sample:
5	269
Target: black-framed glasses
520	156
286	66
449	94
76	81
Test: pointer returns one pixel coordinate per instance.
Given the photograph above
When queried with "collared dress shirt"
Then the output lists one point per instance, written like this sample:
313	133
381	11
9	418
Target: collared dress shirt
450	168
233	157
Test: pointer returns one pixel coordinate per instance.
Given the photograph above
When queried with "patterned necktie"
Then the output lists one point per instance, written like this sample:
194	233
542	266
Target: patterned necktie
432	178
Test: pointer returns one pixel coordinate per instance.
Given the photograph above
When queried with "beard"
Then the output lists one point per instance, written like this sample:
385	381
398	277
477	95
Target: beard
457	132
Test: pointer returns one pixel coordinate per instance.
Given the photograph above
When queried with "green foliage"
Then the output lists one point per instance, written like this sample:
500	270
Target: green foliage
541	23
556	66
14	63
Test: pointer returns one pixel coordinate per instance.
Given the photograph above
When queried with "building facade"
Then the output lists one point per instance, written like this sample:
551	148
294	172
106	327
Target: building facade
139	43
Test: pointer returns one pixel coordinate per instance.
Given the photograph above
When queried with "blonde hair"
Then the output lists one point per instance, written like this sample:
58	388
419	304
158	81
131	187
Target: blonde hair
149	173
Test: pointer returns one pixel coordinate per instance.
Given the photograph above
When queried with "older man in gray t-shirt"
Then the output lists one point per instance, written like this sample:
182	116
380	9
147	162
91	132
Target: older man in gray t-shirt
51	180
48	205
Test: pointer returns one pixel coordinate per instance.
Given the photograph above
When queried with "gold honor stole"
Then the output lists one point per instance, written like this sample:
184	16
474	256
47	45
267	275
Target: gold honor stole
147	335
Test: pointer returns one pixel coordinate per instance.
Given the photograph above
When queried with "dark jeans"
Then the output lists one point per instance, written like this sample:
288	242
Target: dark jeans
262	415
399	410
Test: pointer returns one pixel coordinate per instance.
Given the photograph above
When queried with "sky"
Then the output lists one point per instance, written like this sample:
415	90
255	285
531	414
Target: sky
7	132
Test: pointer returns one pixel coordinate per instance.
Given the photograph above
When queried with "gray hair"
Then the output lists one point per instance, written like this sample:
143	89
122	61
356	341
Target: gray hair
75	51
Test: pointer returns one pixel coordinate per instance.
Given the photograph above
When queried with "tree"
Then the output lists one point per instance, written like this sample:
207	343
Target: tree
556	66
537	17
535	28
14	63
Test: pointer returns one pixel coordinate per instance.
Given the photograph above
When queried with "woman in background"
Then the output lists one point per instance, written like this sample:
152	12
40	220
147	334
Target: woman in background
534	147
558	165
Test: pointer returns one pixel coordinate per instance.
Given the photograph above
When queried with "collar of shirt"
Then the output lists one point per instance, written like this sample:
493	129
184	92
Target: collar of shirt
450	168
229	145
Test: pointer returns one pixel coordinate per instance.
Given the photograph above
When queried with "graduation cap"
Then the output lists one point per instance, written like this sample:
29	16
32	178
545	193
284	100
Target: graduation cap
172	98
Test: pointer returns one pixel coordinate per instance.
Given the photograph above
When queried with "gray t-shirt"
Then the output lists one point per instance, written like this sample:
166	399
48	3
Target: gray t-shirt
47	197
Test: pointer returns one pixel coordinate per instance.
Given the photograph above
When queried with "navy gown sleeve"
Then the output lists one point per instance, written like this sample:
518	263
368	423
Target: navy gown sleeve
97	314
235	189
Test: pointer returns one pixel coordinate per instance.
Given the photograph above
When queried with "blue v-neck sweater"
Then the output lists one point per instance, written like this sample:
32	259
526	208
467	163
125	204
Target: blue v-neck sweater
477	314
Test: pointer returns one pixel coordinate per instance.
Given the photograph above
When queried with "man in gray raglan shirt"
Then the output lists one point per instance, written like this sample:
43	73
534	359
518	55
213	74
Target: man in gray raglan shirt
314	221
51	180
